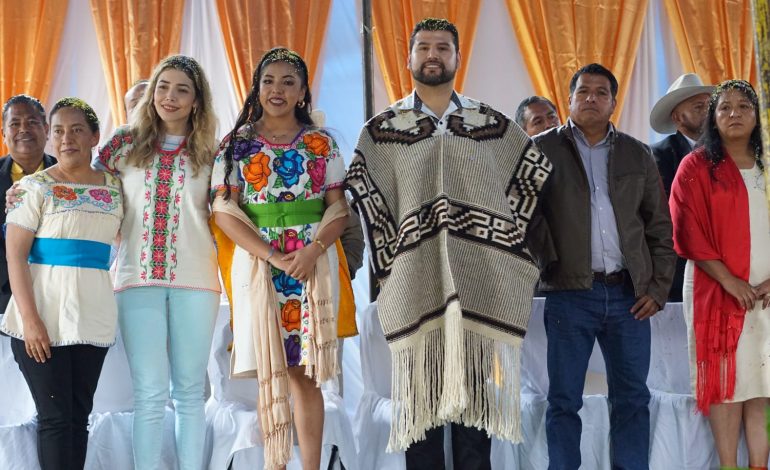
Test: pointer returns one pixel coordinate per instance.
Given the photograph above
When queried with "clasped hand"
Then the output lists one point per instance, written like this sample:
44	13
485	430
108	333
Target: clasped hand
746	294
298	264
762	291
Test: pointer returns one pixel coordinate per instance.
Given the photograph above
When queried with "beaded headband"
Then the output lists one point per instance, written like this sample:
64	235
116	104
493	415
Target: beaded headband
184	63
282	54
740	85
77	103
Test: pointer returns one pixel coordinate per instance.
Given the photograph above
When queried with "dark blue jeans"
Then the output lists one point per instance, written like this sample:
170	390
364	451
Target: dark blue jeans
573	321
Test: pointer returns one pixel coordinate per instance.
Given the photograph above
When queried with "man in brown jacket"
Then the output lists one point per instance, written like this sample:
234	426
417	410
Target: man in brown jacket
603	243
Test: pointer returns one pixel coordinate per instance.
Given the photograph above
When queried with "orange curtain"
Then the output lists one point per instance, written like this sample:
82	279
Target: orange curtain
30	33
722	45
557	37
134	35
251	28
393	22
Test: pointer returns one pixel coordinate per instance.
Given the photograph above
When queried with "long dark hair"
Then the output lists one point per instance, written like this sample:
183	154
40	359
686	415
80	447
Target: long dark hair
252	109
712	141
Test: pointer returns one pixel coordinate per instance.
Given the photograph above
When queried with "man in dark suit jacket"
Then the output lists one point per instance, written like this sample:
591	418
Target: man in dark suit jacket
681	112
25	131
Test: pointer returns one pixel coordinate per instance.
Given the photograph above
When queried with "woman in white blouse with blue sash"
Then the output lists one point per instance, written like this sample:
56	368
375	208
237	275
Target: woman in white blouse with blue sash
62	316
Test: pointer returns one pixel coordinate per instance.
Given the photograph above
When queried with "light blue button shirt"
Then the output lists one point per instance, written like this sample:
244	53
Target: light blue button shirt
606	255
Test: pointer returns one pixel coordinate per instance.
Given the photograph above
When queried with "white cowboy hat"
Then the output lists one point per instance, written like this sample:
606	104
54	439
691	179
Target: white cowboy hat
686	86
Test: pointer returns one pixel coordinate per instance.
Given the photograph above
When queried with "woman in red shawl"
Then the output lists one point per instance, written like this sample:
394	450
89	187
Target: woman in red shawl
720	213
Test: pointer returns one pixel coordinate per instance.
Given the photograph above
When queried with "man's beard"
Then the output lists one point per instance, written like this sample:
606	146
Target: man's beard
698	131
433	80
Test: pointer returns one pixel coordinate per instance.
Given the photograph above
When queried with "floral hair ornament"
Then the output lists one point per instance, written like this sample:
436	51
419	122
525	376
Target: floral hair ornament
740	85
77	103
186	64
282	54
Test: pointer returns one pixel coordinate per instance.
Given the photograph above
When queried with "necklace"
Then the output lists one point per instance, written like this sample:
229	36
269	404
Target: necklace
278	136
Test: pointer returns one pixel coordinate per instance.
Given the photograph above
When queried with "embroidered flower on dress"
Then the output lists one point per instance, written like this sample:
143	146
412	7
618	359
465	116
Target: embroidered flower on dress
163	190
257	171
164	174
159	240
289	167
63	192
287	196
293	350
290	315
245	148
291	242
159	272
100	195
317	171
166	160
161	208
317	143
286	284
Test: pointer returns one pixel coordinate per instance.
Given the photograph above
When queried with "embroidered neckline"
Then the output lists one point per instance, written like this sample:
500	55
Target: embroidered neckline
171	152
51	180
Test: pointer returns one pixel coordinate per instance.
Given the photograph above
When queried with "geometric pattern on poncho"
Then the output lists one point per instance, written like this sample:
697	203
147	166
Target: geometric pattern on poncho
381	227
526	184
493	126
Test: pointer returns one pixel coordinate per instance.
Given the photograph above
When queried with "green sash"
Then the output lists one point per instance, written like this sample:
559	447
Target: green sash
285	214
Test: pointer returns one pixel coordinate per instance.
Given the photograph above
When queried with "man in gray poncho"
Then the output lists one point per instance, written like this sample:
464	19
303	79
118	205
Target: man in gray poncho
446	187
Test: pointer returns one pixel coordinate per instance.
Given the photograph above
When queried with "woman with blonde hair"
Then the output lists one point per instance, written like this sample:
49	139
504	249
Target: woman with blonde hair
166	281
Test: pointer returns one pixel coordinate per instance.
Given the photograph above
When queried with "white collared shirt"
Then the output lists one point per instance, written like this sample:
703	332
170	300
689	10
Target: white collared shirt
692	143
457	101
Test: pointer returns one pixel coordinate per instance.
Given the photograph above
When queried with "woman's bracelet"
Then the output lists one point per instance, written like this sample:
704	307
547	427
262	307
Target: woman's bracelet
320	243
270	253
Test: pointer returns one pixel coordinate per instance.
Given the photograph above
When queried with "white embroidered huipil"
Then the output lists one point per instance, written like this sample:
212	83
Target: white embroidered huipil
165	237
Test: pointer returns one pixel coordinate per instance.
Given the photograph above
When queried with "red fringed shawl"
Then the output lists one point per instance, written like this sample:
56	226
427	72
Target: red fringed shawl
711	222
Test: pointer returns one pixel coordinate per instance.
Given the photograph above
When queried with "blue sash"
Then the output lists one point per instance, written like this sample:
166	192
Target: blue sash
70	252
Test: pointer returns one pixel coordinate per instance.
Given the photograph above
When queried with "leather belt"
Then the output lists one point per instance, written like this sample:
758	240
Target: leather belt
611	279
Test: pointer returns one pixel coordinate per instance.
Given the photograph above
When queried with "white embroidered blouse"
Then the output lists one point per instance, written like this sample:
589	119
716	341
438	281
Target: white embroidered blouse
165	237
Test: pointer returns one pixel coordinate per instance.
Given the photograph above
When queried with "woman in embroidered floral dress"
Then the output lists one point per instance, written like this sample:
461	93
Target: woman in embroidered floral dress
166	281
721	226
62	316
286	175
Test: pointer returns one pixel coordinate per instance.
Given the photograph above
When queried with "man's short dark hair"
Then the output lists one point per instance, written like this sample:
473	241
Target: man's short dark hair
595	69
435	24
30	101
528	101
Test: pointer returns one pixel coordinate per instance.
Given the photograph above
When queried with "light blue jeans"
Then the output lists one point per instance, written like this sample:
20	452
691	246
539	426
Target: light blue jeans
167	334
